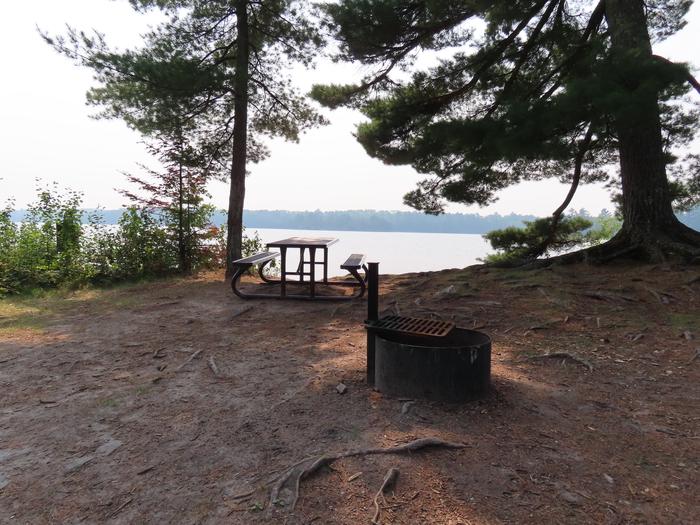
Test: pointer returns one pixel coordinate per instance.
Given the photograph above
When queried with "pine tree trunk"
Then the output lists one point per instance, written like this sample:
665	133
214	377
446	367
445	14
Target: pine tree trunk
648	218
181	222
234	232
650	229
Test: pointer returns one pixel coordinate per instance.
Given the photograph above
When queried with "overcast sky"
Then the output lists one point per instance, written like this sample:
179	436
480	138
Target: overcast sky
46	130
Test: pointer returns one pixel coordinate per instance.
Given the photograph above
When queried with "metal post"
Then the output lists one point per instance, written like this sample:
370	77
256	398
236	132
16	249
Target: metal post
283	271
372	291
372	315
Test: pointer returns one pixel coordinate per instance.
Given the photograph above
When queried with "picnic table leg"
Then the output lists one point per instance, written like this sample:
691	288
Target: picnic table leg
262	275
283	271
300	268
234	282
325	265
312	253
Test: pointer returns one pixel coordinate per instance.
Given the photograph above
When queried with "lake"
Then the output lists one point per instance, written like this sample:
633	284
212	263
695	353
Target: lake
397	252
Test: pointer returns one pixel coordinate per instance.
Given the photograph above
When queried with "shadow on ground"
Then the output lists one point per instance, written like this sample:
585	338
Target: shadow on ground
104	419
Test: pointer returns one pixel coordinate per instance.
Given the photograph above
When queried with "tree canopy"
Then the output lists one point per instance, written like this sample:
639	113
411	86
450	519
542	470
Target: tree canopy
479	95
215	70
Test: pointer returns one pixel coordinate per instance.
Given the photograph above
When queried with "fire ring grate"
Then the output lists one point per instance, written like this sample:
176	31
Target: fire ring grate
411	326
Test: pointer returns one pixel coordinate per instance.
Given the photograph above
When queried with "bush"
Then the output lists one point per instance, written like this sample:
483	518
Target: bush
52	247
142	247
44	250
535	238
250	246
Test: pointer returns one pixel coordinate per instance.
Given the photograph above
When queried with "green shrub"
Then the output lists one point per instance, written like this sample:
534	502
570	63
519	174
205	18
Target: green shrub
142	246
250	246
536	239
52	248
44	250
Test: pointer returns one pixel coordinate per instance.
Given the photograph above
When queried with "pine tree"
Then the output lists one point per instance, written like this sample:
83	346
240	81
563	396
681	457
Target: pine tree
176	193
525	90
223	65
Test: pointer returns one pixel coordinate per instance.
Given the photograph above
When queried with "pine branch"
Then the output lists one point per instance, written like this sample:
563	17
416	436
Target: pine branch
583	148
488	62
592	28
689	76
525	52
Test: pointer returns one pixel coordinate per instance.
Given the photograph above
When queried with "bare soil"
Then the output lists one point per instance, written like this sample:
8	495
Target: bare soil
102	420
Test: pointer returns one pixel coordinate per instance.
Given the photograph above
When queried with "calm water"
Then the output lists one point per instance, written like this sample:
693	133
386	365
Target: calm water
397	252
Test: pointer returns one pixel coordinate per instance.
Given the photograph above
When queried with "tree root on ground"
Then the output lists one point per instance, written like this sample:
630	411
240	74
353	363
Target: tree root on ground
389	480
285	490
192	356
681	243
565	355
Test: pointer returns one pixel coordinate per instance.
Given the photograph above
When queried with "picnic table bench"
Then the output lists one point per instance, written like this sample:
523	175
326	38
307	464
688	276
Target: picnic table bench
353	265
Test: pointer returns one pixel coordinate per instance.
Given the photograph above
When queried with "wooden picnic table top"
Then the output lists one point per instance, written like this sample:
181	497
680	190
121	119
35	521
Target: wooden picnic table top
303	242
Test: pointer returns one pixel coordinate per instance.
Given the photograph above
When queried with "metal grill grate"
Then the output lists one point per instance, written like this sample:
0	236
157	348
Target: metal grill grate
411	325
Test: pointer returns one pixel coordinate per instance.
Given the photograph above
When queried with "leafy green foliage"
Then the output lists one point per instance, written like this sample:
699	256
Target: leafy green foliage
536	237
45	249
519	243
216	72
217	250
52	247
685	184
504	91
185	72
142	246
177	192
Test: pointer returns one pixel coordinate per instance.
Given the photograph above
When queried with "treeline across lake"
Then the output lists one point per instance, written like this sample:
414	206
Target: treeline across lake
376	221
56	243
354	220
381	221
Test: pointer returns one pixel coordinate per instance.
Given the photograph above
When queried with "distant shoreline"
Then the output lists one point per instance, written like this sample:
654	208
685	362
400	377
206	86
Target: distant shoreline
372	220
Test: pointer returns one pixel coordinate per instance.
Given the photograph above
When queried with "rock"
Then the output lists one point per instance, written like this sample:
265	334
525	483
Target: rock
107	448
355	476
341	388
570	497
450	290
485	303
406	407
75	463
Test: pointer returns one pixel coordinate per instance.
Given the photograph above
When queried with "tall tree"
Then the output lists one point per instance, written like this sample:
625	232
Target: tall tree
224	65
176	192
525	90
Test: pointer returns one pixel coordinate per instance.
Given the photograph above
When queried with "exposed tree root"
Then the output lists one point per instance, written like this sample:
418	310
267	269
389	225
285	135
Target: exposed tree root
565	355
214	368
608	296
390	478
682	243
285	490
194	355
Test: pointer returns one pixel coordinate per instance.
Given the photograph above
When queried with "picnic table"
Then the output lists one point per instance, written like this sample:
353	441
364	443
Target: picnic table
303	243
314	246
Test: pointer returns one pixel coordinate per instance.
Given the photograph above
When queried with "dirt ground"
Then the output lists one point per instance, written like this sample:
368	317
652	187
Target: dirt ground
102	420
